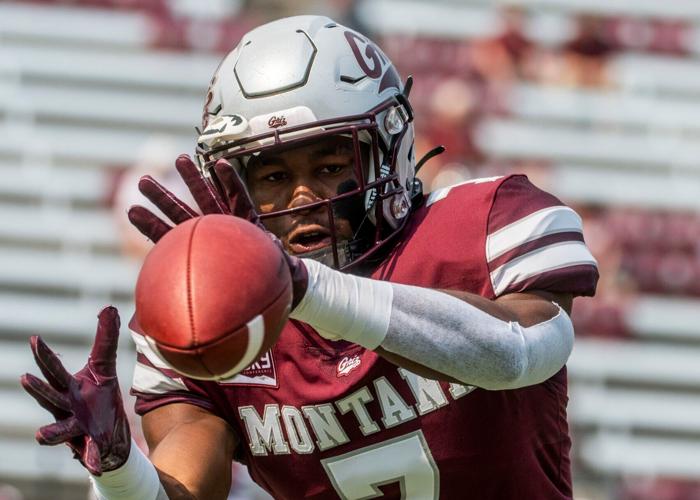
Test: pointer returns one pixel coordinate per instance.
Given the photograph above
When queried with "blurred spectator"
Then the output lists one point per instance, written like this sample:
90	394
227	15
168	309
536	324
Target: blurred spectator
638	251
658	488
604	314
549	67
600	317
591	39
157	159
512	37
501	59
453	114
492	61
653	35
586	54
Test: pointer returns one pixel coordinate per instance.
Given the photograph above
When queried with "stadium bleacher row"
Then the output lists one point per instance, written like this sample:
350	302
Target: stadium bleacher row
81	92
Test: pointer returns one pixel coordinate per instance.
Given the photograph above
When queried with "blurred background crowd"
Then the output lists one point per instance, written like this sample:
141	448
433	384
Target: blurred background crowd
596	101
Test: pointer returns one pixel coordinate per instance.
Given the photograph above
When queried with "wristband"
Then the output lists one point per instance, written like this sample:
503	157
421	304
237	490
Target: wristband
137	479
340	305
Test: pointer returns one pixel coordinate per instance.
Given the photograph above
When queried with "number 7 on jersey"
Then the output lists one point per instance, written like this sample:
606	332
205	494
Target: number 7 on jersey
406	459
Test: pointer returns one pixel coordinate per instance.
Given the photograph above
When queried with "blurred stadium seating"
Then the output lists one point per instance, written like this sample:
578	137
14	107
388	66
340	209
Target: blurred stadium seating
598	101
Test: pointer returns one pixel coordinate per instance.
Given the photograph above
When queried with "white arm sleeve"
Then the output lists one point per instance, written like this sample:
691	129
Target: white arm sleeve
435	330
137	479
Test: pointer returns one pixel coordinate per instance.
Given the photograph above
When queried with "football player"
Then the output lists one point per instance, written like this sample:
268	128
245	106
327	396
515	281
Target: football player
425	354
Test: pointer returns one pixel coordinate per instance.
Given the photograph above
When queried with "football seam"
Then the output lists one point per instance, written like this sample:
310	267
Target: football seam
190	311
214	341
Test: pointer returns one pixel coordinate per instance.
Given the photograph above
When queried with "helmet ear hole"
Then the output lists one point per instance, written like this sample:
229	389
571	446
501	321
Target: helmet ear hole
400	206
394	123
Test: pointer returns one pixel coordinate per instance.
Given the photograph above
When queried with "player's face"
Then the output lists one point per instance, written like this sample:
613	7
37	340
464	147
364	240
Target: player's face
292	178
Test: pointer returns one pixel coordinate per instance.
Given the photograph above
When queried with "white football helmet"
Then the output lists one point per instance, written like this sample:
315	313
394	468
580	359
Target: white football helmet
307	77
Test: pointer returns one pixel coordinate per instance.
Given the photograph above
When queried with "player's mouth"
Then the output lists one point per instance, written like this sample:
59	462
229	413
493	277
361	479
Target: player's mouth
309	239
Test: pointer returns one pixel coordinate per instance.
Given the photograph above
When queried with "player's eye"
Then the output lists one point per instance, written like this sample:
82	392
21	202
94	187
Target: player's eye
333	168
276	176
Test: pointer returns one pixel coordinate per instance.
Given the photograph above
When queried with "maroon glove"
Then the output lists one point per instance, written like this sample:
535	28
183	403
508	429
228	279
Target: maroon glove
235	201
87	406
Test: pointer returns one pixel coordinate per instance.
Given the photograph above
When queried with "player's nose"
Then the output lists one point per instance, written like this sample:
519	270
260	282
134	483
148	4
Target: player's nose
304	195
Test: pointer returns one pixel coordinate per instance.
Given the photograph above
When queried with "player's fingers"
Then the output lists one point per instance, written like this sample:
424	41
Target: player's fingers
205	195
49	363
103	357
226	176
91	457
47	397
175	209
148	223
238	197
58	432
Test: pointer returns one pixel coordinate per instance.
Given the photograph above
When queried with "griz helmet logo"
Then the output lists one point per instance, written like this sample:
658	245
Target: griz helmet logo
277	121
206	112
234	120
373	61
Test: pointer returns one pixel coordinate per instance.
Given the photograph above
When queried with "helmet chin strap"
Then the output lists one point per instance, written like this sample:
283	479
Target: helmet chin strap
348	251
437	150
325	255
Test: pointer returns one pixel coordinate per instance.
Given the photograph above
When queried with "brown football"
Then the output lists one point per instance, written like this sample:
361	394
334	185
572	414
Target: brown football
212	296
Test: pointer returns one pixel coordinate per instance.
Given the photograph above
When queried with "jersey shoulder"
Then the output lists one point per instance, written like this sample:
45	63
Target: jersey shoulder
477	191
494	236
155	384
442	244
535	242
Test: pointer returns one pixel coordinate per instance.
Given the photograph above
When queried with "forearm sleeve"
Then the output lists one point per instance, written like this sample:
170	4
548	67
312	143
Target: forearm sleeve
137	479
435	330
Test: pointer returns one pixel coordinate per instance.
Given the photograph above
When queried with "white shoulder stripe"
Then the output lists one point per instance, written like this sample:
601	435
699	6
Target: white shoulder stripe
150	381
441	193
145	349
549	258
551	220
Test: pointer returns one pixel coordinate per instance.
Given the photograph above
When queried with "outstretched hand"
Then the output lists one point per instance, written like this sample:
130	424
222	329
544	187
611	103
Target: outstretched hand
87	406
233	199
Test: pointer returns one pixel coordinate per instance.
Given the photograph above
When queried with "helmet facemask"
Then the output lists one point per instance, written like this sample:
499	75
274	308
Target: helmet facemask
372	202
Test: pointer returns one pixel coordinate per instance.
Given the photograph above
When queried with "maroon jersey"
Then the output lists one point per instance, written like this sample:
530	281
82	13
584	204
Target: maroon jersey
322	419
